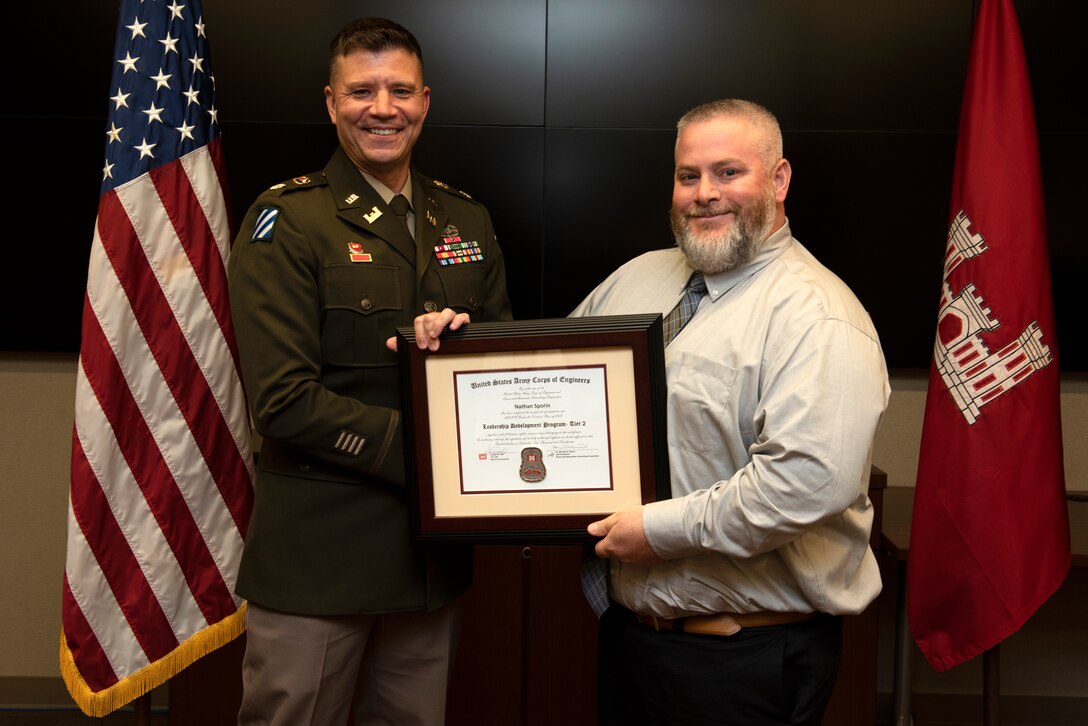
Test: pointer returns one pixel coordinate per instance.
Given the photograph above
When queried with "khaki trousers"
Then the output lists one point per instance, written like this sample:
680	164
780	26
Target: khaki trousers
311	670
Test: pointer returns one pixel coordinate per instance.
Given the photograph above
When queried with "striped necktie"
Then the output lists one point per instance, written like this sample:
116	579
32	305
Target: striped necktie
679	316
594	573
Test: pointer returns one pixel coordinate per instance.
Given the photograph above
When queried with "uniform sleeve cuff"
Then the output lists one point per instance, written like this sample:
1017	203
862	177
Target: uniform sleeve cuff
389	461
663	523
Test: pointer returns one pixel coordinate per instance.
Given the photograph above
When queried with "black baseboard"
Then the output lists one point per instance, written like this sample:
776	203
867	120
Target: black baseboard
929	709
943	709
28	692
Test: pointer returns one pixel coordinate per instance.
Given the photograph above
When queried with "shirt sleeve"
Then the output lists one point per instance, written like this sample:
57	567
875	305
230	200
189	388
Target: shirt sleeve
821	398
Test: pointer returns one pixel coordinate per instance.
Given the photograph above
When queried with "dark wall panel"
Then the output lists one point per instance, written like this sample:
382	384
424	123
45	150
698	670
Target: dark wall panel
862	223
558	114
607	196
873	207
503	168
835	64
51	199
483	59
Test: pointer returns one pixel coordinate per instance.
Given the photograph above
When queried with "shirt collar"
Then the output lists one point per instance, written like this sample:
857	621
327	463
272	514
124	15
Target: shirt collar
722	282
386	193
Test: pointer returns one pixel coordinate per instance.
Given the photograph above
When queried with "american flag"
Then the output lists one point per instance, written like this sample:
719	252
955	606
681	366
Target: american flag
161	468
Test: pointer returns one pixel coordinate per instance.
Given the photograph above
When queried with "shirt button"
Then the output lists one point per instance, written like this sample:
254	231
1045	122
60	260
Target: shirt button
304	468
472	301
365	303
430	306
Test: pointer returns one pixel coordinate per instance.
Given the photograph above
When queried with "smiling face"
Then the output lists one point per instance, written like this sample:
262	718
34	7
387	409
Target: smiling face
727	193
378	103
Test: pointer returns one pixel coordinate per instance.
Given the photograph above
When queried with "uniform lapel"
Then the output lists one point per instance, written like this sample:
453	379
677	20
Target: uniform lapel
431	217
358	204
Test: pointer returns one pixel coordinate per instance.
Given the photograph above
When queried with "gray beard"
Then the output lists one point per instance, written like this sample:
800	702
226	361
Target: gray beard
717	252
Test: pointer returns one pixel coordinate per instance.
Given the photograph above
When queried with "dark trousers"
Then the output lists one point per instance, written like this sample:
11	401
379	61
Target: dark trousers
781	674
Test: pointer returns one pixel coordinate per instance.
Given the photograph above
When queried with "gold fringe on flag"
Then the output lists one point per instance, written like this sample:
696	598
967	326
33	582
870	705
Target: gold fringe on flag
153	674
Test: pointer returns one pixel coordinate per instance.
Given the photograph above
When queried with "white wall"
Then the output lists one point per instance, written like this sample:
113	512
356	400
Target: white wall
901	431
36	411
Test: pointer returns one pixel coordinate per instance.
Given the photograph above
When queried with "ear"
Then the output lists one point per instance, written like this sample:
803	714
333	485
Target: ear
426	100
780	176
330	103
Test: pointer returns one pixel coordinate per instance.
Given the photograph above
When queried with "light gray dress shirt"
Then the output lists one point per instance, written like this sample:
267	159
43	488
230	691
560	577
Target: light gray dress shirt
775	390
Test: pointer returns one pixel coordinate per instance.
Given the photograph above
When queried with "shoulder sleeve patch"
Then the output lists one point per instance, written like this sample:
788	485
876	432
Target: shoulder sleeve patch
265	225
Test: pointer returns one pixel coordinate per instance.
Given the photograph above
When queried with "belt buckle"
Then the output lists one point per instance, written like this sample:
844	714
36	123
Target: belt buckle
730	625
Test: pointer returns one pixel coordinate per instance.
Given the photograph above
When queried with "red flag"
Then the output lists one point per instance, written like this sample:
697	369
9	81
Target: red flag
990	534
161	467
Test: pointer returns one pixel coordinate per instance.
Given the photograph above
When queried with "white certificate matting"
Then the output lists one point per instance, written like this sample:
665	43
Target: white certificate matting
535	429
549	432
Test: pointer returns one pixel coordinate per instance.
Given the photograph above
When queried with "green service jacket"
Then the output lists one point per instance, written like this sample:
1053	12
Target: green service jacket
320	277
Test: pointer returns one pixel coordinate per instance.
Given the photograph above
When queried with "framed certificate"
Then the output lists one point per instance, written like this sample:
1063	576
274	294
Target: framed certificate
531	430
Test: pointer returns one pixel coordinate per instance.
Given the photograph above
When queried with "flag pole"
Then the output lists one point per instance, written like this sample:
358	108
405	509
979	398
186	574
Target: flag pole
991	686
143	710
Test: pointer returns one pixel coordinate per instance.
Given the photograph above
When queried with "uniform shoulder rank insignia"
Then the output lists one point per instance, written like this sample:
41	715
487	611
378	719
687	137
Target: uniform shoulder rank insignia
265	224
299	182
448	188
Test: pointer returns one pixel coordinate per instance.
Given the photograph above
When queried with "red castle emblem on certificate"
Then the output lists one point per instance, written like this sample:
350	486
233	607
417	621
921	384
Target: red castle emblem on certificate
532	465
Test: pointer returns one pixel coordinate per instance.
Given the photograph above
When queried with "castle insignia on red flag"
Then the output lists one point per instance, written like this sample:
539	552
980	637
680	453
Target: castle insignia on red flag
975	376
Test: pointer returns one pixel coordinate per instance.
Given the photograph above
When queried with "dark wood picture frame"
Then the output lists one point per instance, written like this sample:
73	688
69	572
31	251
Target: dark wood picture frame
480	347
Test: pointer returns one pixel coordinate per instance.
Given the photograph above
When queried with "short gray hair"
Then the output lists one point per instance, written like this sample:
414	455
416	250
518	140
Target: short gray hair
765	123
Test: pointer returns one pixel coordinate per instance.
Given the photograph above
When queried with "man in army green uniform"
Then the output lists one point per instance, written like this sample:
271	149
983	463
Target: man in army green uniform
343	606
